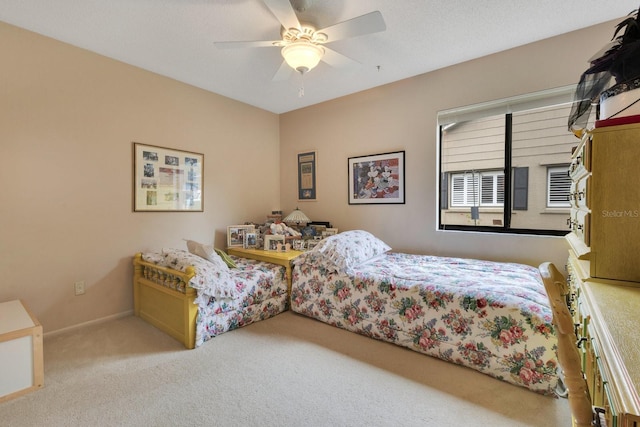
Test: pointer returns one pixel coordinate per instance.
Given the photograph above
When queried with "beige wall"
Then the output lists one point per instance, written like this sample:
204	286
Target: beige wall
67	121
402	116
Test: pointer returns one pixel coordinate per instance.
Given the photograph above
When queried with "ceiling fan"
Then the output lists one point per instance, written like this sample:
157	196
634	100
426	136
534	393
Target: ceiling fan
302	45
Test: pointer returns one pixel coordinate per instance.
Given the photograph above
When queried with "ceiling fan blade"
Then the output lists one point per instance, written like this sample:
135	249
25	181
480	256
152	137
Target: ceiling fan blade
338	60
283	73
241	44
364	24
283	10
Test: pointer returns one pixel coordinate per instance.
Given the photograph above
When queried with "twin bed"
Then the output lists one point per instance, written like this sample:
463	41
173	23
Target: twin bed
194	298
488	316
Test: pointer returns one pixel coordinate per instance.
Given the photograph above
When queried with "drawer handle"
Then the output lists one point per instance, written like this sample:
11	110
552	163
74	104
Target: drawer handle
573	224
575	196
599	417
576	327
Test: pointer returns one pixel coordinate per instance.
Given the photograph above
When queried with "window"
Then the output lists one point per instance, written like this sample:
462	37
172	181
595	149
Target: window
558	187
503	164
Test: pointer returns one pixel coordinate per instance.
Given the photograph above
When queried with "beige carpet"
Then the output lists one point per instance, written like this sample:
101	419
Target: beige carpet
285	371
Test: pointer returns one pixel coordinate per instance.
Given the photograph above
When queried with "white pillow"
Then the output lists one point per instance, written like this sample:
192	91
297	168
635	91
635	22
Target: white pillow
207	252
344	251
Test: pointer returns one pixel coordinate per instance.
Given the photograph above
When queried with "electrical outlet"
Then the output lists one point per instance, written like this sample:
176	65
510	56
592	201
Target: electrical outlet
79	287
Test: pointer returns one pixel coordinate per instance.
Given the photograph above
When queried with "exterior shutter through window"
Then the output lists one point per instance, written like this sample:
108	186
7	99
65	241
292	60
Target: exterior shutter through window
444	187
520	189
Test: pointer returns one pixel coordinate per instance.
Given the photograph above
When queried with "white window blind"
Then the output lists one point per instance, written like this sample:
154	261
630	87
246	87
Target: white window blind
477	189
558	187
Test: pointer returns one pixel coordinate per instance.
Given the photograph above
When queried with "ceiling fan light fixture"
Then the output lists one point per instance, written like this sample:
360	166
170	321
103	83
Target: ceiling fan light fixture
302	56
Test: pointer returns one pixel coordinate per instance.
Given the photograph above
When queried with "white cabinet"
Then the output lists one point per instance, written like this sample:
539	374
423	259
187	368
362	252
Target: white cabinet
21	361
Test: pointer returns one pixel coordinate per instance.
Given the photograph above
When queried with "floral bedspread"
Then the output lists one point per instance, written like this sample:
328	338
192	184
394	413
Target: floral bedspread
262	293
492	317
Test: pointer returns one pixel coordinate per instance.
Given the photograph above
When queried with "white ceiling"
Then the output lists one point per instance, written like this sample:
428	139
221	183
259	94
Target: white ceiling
175	38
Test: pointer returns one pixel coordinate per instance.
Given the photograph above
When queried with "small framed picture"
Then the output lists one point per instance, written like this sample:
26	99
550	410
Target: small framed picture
271	242
307	164
250	240
280	247
298	245
319	230
312	244
236	233
329	232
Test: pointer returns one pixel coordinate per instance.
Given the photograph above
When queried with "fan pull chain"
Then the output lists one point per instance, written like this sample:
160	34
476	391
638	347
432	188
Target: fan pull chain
301	88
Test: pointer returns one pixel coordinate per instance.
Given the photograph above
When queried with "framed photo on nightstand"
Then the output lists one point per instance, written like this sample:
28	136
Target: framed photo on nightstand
329	232
271	242
235	234
311	244
298	245
250	240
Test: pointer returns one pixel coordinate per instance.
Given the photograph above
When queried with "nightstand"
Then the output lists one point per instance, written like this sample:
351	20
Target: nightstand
274	257
21	361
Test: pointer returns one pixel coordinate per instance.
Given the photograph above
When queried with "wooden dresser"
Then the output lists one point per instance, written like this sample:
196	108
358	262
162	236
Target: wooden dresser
604	268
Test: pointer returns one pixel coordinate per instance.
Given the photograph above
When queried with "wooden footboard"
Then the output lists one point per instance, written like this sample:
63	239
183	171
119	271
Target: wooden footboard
158	298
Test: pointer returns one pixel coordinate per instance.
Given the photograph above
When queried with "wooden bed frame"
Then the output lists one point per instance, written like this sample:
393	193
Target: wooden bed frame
569	356
170	310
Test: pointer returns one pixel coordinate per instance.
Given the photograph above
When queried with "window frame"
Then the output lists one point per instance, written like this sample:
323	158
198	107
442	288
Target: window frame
548	98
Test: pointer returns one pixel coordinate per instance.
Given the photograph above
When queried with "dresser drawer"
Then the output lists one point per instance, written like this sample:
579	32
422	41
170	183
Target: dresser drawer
581	159
579	193
574	282
580	222
612	368
610	412
578	266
